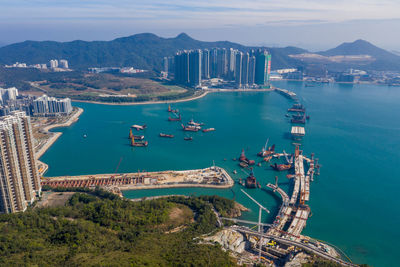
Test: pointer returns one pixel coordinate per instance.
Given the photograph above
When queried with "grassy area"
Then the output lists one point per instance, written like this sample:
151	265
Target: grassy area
103	87
112	88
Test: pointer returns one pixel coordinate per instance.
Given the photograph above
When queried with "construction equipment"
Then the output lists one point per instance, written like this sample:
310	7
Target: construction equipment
261	207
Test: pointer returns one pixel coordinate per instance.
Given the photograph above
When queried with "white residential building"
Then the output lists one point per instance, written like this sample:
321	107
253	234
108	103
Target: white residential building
19	177
48	106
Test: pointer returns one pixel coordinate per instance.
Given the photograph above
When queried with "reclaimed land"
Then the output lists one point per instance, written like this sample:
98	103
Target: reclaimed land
212	177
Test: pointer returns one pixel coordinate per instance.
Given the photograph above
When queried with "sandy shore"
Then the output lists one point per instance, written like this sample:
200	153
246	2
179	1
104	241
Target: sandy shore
56	135
145	102
203	94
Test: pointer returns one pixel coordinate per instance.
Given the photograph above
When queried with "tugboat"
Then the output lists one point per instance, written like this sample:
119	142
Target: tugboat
266	152
267	158
139	127
243	164
299	118
137	137
178	118
191	128
188	138
172	110
251	181
208	130
192	122
281	167
297	108
166	135
244	159
138	143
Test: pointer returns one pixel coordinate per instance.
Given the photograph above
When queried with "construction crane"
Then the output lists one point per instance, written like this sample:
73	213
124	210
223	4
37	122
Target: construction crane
266	145
261	207
286	156
245	172
289	161
116	169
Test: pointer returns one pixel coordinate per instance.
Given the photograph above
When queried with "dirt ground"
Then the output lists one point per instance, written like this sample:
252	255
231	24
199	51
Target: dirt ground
54	199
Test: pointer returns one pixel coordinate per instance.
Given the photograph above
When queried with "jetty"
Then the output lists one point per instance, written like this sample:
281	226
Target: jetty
286	93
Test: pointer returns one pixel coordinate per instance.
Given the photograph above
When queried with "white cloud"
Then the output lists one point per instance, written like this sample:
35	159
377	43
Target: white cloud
198	14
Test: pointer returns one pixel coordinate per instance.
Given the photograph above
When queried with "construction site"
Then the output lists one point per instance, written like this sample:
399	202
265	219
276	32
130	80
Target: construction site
281	241
214	177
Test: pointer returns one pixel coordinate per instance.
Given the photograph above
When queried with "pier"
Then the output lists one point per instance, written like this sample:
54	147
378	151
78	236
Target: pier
214	177
286	93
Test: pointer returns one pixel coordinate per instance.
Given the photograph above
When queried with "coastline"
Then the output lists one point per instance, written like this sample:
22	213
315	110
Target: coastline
203	94
43	167
143	187
74	118
211	177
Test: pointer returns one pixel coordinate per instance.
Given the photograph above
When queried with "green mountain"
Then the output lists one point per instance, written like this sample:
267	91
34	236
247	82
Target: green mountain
384	60
144	50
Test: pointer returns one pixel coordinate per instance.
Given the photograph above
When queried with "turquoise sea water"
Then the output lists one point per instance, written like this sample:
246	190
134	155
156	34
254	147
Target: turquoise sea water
353	130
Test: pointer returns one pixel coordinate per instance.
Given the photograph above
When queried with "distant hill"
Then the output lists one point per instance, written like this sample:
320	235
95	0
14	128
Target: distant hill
144	50
384	60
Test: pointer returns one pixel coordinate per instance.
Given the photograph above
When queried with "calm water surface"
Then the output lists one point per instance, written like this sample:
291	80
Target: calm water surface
353	130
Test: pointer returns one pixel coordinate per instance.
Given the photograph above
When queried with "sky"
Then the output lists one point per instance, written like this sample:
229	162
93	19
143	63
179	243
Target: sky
310	24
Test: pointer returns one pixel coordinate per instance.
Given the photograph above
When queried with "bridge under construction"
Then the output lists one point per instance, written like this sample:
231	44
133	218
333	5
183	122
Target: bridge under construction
283	236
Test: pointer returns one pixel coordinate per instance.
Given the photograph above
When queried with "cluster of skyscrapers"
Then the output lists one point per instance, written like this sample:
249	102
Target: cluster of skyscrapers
54	63
51	106
11	101
19	177
247	69
8	94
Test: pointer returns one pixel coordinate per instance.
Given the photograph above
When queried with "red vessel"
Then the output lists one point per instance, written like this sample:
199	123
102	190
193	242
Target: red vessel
208	130
139	143
242	156
281	167
139	127
172	110
192	122
251	181
244	159
266	152
190	128
137	137
166	135
179	118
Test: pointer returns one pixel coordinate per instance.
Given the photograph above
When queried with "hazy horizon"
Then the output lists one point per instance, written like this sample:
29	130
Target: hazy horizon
310	24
